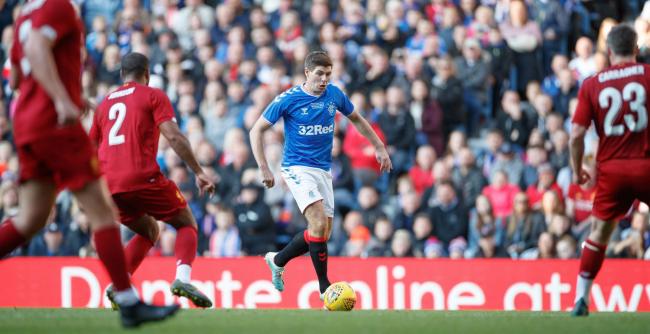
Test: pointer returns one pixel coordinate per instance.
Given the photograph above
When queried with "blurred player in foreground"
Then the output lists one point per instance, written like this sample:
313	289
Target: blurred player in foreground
54	151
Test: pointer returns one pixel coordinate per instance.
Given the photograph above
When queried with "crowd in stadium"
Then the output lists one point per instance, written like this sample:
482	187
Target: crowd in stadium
473	99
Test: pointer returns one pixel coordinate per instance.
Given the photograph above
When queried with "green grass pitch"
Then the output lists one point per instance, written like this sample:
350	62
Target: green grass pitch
93	321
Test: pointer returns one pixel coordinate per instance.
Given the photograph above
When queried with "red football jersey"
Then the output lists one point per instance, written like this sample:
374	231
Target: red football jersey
125	128
616	100
59	21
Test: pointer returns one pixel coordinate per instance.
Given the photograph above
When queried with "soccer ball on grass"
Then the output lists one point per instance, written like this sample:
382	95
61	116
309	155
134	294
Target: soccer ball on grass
340	297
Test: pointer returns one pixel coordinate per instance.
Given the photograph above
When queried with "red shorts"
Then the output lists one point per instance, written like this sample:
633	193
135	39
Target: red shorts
619	183
69	160
162	201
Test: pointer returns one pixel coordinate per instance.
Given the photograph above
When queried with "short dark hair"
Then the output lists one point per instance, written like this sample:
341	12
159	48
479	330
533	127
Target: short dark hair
622	40
135	64
317	58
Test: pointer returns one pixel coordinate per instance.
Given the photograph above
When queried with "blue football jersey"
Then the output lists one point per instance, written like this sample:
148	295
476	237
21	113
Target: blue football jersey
308	124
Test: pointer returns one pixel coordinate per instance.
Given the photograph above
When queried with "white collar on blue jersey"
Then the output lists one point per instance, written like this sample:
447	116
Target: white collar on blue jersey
302	87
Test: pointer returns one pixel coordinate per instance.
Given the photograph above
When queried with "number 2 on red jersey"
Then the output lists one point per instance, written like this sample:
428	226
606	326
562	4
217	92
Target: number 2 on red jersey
117	113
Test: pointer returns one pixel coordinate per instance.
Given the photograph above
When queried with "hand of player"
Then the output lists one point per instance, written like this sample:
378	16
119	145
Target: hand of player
88	105
581	177
67	112
385	165
267	177
204	184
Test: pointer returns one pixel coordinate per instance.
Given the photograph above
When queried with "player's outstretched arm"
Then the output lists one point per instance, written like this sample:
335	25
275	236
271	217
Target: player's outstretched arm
256	136
577	150
182	147
366	130
38	50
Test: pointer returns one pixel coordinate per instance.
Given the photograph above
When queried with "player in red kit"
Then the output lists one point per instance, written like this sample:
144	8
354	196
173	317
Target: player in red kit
615	100
54	151
126	128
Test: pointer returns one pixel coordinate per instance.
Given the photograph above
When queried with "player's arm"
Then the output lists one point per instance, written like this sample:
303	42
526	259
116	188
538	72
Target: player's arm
38	50
577	149
179	143
14	77
256	136
366	130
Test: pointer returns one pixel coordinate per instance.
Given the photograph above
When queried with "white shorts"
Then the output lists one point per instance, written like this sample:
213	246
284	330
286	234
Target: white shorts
309	185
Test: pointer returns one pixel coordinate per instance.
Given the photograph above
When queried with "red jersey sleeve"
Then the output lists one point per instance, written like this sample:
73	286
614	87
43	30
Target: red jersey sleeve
54	18
584	111
162	107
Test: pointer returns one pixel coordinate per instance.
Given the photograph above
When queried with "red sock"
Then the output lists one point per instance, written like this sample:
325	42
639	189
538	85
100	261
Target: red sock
110	252
10	239
186	243
135	251
592	258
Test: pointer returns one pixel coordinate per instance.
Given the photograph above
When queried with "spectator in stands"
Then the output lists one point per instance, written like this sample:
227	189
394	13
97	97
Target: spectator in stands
482	221
401	245
8	199
583	64
370	206
508	161
550	206
224	240
546	182
448	91
357	242
448	215
545	248
551	83
466	176
380	243
365	167
48	242
421	173
512	121
568	90
487	157
566	248
408	207
630	242
77	239
398	126
473	72
501	194
254	221
427	116
524	37
422	230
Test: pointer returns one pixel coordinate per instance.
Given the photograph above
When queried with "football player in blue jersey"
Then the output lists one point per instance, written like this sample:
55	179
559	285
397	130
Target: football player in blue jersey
308	111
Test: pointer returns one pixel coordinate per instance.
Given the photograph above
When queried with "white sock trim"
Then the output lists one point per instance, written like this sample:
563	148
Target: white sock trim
126	297
183	273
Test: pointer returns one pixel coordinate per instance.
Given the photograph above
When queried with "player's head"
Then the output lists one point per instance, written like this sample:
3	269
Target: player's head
622	41
135	67
318	69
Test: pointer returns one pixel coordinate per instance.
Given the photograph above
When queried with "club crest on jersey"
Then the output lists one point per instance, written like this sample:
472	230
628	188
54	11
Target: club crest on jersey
331	108
304	111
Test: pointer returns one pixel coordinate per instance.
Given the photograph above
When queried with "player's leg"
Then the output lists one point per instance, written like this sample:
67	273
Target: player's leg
36	199
317	228
94	199
614	197
591	260
146	234
185	250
